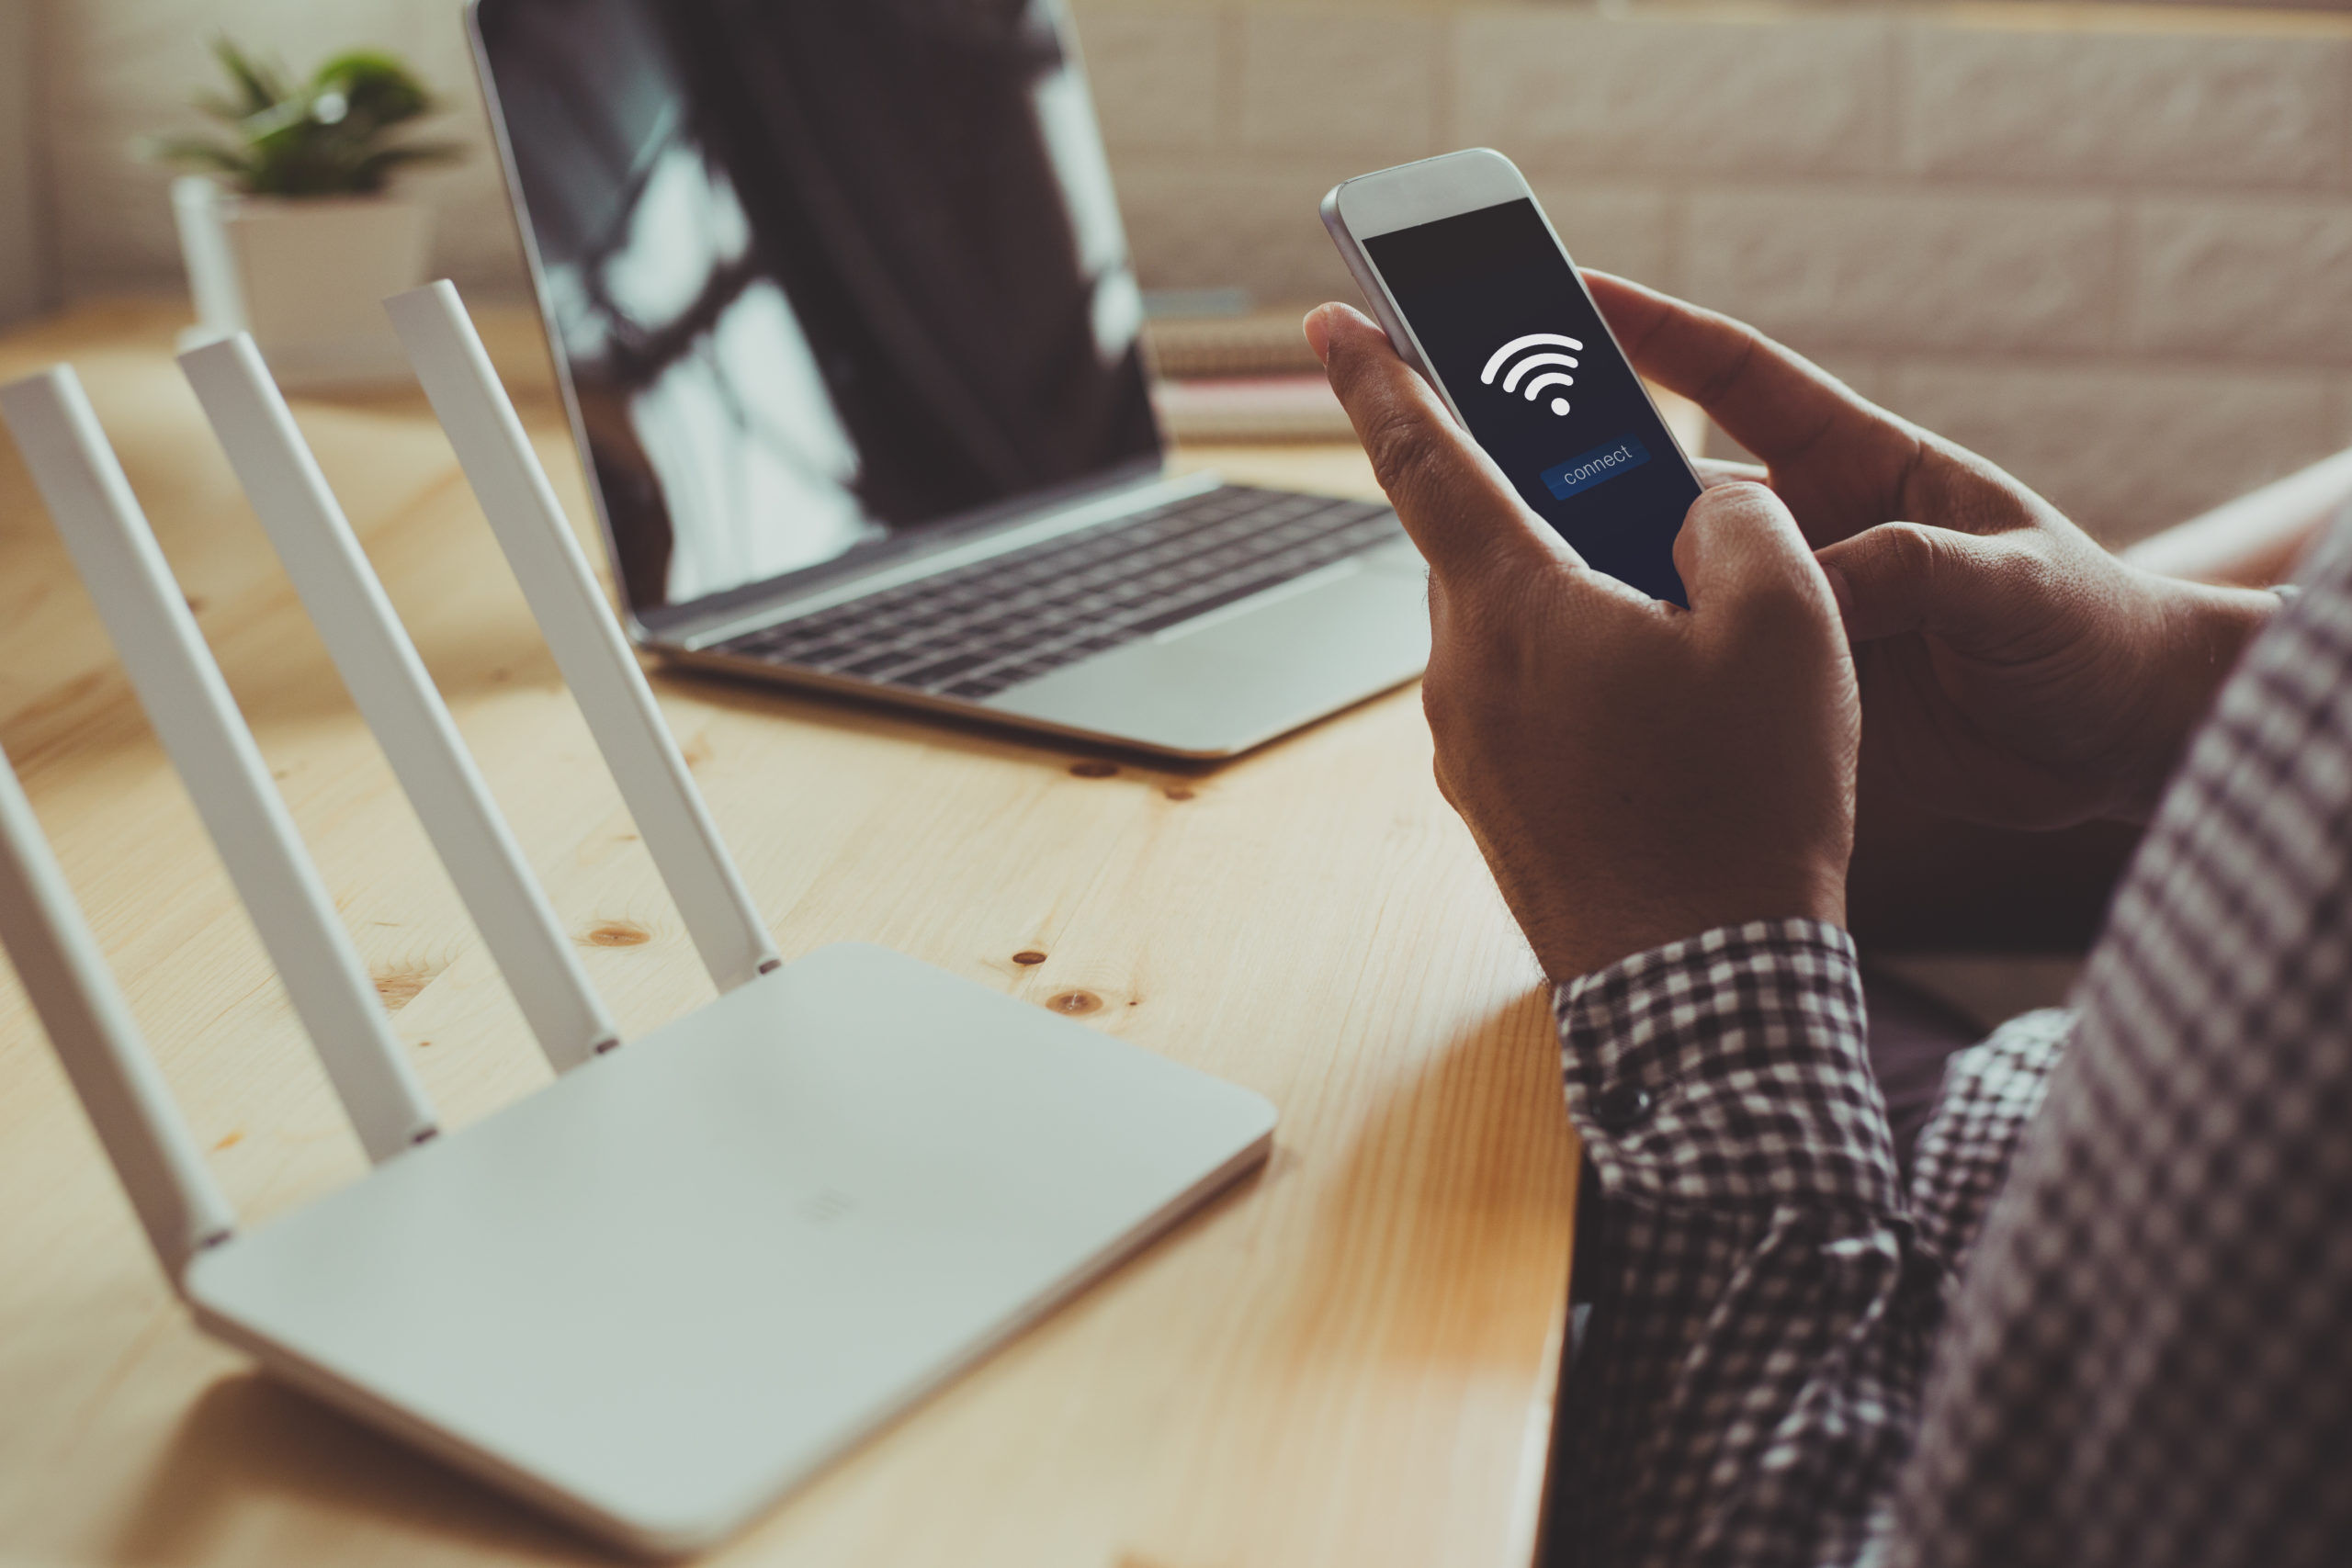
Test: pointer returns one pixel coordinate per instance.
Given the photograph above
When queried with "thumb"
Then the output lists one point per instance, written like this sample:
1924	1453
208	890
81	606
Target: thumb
1909	577
1462	514
1741	552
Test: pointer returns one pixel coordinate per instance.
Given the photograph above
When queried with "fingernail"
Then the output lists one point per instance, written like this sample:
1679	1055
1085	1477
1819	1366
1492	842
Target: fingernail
1841	590
1318	335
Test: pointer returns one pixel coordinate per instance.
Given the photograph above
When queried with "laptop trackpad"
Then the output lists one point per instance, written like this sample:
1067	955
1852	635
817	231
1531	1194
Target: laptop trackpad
1244	675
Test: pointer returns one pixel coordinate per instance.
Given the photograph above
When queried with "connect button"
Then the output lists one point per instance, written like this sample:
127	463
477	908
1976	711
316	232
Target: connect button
1596	467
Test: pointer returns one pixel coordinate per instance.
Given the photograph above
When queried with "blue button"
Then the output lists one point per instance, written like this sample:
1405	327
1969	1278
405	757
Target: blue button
1596	467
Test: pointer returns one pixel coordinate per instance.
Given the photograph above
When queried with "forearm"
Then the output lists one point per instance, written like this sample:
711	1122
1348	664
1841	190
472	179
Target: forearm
1763	1309
2256	539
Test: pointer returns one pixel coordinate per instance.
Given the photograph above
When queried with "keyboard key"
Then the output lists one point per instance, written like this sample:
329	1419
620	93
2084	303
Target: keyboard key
873	664
937	672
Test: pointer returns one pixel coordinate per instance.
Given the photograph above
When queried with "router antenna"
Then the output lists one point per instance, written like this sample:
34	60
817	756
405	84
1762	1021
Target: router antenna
380	667
190	707
596	660
96	1038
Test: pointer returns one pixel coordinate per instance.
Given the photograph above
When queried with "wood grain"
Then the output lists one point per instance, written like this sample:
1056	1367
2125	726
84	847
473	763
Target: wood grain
1350	1360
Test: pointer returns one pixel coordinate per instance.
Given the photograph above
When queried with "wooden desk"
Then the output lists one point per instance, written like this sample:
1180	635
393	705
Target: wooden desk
1350	1360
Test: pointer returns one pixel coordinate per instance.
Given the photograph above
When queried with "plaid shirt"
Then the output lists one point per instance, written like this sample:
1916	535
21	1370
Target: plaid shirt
2108	1319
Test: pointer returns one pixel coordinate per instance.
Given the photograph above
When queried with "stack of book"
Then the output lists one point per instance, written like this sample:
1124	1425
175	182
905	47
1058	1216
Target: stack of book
1240	375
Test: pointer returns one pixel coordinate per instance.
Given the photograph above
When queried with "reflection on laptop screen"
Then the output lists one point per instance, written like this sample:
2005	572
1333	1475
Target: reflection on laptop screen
822	272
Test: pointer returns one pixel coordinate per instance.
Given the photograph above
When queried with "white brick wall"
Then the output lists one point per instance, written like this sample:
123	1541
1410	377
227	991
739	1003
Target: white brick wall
1159	76
2110	247
1391	62
1873	266
1753	95
2267	280
2114	101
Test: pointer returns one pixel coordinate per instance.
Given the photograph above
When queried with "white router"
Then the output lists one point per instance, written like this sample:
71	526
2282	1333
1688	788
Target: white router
665	1290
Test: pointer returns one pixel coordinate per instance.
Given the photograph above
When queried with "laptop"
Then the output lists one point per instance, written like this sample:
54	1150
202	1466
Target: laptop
844	319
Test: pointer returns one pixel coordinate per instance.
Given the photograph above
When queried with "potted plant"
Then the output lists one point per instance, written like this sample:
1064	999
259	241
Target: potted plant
289	234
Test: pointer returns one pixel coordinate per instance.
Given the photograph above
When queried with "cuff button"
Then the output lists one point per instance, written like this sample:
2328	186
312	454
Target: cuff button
1620	1107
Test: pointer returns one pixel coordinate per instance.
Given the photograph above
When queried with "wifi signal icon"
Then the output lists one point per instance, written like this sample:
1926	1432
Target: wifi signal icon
1522	369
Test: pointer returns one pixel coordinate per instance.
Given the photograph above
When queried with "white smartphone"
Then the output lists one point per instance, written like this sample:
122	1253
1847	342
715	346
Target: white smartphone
1476	293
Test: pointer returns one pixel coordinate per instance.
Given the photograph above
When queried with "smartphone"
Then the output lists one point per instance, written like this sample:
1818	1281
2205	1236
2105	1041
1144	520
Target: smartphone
1476	292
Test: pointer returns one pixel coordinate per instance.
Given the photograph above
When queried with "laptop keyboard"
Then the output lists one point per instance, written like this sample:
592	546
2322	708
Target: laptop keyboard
975	631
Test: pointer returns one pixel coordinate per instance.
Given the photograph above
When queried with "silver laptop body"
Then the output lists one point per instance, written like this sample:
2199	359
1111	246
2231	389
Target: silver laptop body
843	317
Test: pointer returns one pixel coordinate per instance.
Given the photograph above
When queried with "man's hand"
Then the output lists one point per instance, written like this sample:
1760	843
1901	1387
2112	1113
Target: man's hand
2013	671
1634	774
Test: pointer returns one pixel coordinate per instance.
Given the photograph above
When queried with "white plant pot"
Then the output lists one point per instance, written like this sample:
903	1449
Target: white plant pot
308	277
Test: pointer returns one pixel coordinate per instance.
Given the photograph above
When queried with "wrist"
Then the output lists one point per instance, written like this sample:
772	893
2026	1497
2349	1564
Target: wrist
1693	1068
1576	943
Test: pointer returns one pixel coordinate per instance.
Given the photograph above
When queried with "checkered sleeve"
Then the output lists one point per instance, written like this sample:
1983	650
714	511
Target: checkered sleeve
1990	1094
1763	1302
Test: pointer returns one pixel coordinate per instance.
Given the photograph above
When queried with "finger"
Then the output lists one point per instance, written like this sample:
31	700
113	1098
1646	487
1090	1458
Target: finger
1771	400
1454	502
1909	577
1716	471
1740	550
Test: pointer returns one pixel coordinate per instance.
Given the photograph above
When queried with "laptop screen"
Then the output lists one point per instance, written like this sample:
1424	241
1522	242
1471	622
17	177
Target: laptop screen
821	273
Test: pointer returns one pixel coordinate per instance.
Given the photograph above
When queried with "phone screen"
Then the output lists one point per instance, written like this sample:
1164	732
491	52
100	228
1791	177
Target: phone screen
1507	328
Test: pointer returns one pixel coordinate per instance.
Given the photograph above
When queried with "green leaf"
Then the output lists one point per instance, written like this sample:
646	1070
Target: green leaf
261	84
326	136
376	85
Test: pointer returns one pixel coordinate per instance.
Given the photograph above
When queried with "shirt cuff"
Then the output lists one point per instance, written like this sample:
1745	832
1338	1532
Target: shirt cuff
1730	1069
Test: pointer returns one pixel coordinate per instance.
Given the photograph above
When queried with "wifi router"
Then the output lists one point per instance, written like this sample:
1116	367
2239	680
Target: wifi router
660	1293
